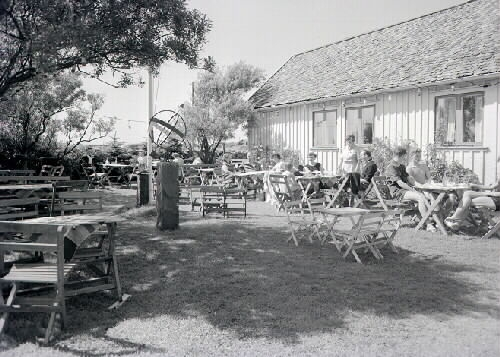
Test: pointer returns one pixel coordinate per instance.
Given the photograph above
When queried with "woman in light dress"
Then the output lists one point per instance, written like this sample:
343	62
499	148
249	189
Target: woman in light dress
350	165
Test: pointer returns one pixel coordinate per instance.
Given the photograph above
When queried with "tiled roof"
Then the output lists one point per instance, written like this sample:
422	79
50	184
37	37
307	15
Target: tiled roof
458	42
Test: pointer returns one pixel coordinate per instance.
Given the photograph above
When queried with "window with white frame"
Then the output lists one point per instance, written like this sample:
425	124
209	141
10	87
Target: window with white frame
325	128
359	123
459	119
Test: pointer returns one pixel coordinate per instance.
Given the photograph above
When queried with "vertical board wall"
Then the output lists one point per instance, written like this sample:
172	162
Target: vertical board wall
399	116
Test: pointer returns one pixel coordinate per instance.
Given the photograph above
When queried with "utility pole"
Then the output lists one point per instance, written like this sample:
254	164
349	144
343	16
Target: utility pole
149	145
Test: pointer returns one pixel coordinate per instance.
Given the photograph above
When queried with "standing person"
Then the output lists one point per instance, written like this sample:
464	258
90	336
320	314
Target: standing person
369	169
349	167
402	187
418	169
180	163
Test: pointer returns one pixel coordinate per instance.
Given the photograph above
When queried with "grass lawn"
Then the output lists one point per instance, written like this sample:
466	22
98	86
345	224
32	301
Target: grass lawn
235	287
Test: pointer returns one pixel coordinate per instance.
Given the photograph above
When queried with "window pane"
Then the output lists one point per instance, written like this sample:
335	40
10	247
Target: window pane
472	109
324	128
353	124
367	118
445	120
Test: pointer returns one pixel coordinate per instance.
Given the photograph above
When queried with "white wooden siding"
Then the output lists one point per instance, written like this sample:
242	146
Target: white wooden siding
399	116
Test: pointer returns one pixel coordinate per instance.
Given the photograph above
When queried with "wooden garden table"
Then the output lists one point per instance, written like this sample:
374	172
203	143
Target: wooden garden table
436	193
240	175
307	181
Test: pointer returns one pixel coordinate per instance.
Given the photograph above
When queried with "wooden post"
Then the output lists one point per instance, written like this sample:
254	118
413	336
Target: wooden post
143	189
167	196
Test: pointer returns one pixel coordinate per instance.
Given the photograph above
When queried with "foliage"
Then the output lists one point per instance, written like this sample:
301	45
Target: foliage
444	171
47	118
264	154
382	151
44	37
219	107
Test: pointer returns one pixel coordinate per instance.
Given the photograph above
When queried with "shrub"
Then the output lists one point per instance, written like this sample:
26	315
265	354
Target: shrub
382	152
454	171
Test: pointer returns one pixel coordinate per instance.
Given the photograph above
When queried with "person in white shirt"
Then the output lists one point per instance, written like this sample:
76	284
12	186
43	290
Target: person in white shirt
279	165
180	162
197	160
418	169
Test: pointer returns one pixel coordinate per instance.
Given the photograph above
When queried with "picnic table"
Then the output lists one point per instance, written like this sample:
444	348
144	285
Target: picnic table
436	192
72	231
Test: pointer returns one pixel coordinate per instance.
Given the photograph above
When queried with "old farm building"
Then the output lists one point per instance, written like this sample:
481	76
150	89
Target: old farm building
432	78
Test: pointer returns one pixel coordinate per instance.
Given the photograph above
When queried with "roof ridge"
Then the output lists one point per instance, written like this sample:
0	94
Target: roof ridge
383	28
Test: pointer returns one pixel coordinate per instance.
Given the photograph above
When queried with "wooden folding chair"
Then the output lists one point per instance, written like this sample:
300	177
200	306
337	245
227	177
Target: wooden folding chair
40	274
301	221
280	189
364	200
391	223
381	188
333	194
364	235
493	221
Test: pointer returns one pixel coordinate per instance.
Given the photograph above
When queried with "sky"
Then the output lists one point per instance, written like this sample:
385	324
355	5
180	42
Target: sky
263	33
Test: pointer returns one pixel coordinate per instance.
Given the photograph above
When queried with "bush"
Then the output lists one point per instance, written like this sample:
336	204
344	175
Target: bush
382	155
454	171
382	152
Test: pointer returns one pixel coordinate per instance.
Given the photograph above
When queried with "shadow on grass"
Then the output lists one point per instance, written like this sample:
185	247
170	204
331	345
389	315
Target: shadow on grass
242	276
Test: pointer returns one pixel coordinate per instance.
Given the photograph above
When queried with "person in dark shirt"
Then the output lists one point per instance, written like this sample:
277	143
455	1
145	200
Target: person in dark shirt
369	169
402	186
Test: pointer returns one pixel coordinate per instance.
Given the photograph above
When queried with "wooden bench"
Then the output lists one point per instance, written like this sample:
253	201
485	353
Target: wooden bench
17	172
42	274
25	178
54	235
19	208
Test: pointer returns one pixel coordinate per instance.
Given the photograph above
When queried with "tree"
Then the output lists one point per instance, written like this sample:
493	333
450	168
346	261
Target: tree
219	107
49	116
44	37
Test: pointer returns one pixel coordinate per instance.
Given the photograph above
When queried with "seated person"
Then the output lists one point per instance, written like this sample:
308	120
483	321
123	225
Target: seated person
296	190
312	165
418	169
402	187
422	175
475	199
368	170
279	164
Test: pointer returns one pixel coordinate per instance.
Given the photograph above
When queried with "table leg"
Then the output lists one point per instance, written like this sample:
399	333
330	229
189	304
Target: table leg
112	234
431	214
